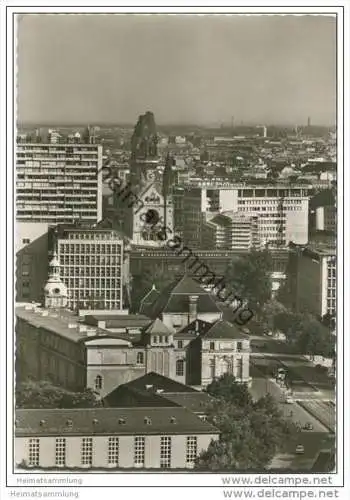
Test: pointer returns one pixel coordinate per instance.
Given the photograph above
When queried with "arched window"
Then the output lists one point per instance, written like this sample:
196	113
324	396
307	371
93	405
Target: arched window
180	367
98	382
140	358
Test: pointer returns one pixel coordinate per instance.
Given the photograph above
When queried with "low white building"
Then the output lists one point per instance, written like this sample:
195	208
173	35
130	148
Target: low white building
119	438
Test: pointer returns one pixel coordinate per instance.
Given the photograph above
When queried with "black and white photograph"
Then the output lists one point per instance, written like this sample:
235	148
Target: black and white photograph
176	265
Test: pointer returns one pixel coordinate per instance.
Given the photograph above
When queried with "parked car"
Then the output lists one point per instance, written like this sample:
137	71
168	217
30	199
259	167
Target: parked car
289	400
308	426
300	450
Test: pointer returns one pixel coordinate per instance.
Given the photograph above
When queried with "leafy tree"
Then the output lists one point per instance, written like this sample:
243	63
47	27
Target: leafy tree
306	334
230	391
43	394
271	310
250	432
250	277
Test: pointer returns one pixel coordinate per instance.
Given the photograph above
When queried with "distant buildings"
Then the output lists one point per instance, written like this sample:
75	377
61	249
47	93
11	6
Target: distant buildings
313	276
125	438
231	231
282	210
217	261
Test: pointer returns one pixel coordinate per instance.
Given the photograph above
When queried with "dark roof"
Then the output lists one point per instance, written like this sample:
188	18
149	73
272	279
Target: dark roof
194	401
190	331
224	330
175	298
221	220
109	421
158	382
129	397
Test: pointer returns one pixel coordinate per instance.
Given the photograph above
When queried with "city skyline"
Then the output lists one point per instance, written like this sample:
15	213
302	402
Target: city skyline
73	70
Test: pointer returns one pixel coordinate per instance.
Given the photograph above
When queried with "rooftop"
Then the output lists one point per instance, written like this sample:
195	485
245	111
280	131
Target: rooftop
224	330
157	327
175	298
119	320
109	421
64	323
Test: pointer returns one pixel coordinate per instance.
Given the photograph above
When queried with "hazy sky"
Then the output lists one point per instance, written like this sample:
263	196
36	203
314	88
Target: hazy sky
186	69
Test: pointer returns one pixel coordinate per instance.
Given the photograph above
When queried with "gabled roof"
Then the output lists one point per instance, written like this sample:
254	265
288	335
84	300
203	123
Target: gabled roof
157	328
224	330
175	298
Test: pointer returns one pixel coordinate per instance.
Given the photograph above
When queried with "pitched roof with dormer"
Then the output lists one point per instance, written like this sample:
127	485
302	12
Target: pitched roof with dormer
175	298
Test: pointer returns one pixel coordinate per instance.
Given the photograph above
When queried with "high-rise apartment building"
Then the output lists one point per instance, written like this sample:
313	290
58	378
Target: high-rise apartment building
282	209
91	266
58	182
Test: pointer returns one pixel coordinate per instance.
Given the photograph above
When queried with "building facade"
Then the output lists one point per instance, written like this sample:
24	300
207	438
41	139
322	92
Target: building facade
58	182
91	266
282	210
56	345
231	231
314	278
128	438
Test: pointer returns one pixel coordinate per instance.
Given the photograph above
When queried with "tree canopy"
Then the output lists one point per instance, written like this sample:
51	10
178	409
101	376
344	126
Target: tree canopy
305	333
250	432
43	394
250	276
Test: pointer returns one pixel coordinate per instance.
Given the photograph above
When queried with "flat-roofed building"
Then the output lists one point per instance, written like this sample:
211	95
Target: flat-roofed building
314	277
58	182
91	266
282	209
118	438
231	231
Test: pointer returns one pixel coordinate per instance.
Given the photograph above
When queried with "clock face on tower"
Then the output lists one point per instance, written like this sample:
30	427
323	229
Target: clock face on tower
150	176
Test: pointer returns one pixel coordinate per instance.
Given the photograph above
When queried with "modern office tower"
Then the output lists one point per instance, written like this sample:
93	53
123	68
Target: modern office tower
231	231
91	266
58	182
313	277
282	209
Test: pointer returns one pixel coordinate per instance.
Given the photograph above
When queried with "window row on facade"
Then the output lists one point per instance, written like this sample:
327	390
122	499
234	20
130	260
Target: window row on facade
83	248
111	451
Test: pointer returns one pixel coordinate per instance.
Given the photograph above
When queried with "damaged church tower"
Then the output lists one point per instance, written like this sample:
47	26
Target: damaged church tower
151	209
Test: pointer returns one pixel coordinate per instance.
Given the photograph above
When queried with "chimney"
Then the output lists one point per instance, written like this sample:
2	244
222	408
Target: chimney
193	301
196	327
